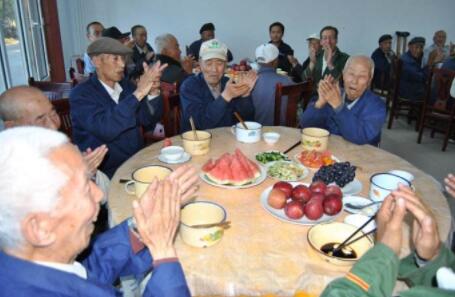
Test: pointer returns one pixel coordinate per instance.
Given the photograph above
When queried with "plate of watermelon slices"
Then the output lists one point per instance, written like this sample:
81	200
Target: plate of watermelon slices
233	171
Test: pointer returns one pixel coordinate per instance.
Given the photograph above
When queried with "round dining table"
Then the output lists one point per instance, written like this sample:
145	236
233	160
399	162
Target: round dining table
260	254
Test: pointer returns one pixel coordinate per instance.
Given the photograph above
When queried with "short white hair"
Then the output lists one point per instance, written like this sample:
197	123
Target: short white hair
29	181
370	62
162	41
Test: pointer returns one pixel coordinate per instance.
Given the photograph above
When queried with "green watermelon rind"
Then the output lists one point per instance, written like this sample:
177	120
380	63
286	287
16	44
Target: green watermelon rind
231	184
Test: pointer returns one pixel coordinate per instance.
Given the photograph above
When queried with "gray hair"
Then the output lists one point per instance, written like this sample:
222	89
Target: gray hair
29	181
162	41
351	60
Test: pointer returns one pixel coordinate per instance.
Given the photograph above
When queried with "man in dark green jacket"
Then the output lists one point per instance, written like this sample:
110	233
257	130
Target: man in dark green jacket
328	61
377	271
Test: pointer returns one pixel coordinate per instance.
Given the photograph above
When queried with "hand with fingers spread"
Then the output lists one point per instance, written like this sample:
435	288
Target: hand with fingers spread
450	184
93	158
389	222
187	180
157	216
149	81
425	235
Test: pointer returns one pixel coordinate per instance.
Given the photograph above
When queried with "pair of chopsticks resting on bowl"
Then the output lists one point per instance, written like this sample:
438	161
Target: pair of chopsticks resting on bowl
346	242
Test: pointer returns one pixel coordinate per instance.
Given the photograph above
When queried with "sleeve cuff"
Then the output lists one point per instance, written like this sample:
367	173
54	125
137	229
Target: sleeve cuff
157	263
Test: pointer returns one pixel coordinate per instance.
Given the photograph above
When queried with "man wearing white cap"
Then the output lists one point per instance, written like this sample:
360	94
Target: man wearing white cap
314	46
264	91
209	97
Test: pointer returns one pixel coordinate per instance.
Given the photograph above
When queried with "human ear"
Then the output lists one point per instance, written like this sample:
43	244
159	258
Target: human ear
38	229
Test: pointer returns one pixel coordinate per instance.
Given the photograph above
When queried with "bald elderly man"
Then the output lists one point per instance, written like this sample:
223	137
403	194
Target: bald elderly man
28	106
47	219
355	113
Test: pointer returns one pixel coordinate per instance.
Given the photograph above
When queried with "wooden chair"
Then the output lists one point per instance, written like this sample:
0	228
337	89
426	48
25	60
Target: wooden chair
52	90
403	106
80	65
171	109
62	106
440	115
297	93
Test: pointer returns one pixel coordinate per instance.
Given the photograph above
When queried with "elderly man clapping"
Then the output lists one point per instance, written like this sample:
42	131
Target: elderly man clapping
47	209
355	113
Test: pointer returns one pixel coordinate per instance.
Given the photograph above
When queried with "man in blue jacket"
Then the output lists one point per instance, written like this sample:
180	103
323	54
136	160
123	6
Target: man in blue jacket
47	220
210	97
355	113
383	57
108	109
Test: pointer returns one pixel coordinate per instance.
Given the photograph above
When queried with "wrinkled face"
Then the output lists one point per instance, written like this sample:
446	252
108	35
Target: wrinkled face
78	206
207	35
140	36
38	111
109	67
439	38
328	39
213	70
356	77
386	46
314	43
173	49
95	32
416	50
276	34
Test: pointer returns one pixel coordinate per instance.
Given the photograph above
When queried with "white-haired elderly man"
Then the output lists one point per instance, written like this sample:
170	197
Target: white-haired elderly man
355	113
48	205
169	53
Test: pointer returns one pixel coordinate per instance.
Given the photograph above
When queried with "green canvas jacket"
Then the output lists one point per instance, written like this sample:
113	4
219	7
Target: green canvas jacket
376	272
339	59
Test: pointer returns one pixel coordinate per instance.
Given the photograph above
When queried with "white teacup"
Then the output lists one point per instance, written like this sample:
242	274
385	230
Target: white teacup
382	184
250	135
143	177
404	174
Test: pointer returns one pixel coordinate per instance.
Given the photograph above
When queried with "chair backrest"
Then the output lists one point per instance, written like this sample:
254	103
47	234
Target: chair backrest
52	90
395	78
171	109
80	65
62	106
438	89
295	93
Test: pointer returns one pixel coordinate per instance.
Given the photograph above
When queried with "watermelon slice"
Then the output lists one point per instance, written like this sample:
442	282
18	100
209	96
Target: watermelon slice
253	166
240	175
208	166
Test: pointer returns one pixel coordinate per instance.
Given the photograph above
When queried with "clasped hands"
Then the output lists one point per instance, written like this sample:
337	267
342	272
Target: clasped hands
425	235
329	93
241	87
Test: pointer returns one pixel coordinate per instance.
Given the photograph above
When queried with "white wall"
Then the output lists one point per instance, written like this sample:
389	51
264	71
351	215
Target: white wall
243	24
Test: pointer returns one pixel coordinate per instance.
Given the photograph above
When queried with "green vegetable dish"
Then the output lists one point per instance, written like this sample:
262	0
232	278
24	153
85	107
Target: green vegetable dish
287	171
273	156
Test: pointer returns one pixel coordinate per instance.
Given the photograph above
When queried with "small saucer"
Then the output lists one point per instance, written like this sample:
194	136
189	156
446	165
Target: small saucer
185	158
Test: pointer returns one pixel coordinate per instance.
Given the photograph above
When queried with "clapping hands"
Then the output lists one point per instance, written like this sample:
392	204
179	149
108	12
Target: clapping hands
149	82
329	92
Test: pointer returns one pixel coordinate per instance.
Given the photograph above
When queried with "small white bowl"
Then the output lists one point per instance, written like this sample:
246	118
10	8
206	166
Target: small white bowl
358	220
271	137
172	153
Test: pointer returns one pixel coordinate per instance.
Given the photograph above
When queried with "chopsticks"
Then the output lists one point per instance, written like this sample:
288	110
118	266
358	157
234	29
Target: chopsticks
193	127
240	120
292	147
345	242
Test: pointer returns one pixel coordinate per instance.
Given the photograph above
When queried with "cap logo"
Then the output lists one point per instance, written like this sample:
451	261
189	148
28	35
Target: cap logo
214	44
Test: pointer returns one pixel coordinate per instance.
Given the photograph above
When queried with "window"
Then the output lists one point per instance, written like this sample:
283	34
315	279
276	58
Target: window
22	44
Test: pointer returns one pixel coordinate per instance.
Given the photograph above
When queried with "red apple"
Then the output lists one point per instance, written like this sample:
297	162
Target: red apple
332	204
335	190
277	199
301	193
317	197
294	210
318	187
285	187
314	210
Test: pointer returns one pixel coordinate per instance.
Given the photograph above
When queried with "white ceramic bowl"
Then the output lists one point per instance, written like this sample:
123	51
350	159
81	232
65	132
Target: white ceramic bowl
250	135
382	184
173	152
404	174
271	137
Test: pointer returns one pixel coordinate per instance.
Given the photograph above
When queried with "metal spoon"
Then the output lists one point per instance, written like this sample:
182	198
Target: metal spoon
357	207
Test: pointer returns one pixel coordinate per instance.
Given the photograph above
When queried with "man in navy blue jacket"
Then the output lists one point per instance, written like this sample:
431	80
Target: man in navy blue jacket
209	97
383	57
108	109
358	114
48	220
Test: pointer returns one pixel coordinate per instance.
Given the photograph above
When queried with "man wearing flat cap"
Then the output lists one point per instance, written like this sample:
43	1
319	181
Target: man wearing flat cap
108	109
207	32
383	58
413	75
209	97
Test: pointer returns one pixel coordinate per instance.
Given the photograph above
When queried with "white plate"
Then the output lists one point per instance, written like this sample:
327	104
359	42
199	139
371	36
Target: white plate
353	188
279	213
185	158
296	158
358	200
304	174
256	182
